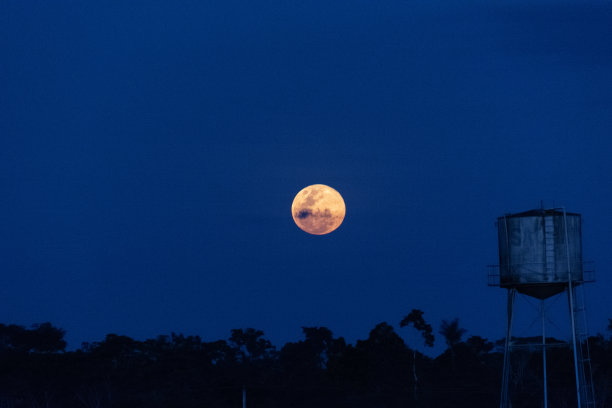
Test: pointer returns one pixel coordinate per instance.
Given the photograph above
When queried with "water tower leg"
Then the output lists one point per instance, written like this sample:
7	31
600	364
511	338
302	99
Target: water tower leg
504	400
543	310
570	295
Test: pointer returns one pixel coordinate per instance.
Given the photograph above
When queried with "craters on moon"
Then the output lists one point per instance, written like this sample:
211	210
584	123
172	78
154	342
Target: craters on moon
318	209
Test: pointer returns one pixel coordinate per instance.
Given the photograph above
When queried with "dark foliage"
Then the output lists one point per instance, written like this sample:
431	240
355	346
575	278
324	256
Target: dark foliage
415	318
321	371
451	332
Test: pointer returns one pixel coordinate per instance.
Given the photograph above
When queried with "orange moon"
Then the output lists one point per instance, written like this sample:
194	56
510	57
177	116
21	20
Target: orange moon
318	209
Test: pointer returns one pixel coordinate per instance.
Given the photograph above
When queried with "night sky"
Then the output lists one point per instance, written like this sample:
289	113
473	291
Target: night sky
150	152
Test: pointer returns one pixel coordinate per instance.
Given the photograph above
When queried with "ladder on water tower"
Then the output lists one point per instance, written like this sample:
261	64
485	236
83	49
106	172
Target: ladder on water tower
587	390
549	240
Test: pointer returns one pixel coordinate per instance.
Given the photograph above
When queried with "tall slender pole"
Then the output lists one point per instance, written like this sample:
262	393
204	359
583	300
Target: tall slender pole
570	295
544	353
243	397
504	400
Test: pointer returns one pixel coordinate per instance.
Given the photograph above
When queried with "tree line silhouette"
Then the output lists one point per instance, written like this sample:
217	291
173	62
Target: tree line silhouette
318	371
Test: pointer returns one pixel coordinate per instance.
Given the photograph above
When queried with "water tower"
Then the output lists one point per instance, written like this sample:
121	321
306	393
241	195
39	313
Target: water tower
540	255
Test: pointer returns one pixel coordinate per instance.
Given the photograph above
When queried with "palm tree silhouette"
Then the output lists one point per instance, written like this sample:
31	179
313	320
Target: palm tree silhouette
452	333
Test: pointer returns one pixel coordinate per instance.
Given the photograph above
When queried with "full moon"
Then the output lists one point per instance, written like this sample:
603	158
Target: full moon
318	209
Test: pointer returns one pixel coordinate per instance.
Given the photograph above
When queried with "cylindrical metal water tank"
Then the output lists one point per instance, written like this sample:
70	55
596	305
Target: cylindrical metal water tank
540	251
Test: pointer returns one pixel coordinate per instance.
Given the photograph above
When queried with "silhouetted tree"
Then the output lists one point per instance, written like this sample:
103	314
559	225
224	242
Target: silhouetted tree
479	345
309	356
452	334
312	367
250	345
319	340
415	317
41	338
216	352
386	360
44	338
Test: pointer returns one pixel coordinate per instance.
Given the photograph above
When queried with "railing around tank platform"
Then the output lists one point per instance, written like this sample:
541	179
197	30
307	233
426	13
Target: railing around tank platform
588	274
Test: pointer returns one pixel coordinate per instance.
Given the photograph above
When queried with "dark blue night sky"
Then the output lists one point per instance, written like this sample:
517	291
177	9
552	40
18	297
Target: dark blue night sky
150	152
